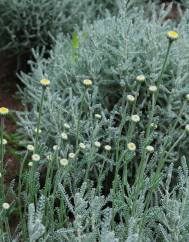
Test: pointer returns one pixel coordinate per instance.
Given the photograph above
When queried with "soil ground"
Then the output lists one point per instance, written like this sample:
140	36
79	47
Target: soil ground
10	99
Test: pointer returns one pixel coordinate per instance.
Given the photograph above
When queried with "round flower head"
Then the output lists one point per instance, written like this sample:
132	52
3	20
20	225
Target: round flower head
71	155
49	157
82	146
140	78
6	206
55	147
150	148
66	126
107	147
4	141
97	144
153	125
172	35
153	88
38	131
35	157
98	116
30	164
30	147
64	136
130	98
4	111
87	82
63	162
187	128
131	146
187	97
135	118
45	82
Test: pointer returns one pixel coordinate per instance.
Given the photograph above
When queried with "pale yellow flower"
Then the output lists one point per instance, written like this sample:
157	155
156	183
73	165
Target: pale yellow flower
87	82
30	147
64	136
6	206
30	164
49	157
131	146
98	116
153	125
66	126
39	131
45	82
4	111
55	147
71	155
187	97
82	146
135	118
150	148
153	88
97	144
130	98
172	35
4	142
187	128
35	157
141	78
107	147
63	162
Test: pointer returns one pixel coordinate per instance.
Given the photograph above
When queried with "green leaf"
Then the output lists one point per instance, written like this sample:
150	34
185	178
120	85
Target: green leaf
75	41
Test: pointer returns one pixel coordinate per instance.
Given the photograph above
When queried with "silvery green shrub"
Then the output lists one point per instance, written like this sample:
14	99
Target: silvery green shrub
27	24
112	52
95	172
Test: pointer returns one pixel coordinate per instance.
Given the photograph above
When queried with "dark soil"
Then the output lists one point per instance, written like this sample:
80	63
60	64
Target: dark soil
9	99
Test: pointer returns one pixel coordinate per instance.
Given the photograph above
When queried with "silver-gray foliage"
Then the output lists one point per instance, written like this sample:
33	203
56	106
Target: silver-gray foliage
112	52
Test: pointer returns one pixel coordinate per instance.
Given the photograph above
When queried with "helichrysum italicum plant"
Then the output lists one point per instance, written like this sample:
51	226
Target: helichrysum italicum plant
103	135
112	57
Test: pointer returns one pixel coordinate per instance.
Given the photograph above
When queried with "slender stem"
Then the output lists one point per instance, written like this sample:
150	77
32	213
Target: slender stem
2	159
8	229
39	119
158	171
49	175
20	175
143	162
19	194
118	157
79	119
89	161
154	101
159	81
142	165
100	177
172	127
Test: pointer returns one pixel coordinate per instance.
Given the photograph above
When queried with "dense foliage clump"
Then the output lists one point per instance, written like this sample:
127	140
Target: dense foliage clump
27	24
105	137
112	52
